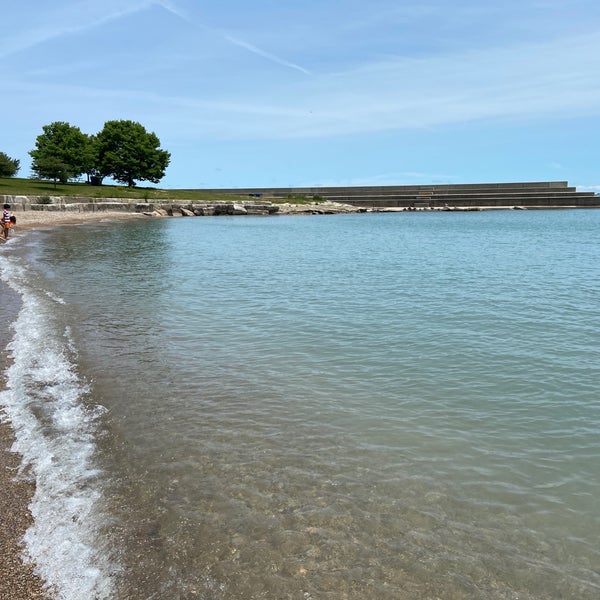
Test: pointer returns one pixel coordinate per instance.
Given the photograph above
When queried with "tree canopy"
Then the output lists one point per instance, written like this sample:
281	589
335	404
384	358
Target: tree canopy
60	143
127	152
50	167
9	167
123	150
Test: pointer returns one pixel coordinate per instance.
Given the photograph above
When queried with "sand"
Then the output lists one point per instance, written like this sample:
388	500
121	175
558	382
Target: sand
29	219
17	579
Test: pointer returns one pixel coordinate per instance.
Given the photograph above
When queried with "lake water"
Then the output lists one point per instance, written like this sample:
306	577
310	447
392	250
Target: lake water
386	406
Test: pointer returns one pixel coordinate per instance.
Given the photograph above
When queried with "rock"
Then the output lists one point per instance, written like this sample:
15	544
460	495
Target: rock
186	213
238	209
319	208
222	208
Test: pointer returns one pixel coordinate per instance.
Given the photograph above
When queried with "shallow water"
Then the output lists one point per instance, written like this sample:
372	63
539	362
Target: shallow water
354	406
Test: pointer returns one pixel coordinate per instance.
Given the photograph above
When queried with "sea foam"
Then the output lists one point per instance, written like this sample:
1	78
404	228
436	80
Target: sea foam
45	401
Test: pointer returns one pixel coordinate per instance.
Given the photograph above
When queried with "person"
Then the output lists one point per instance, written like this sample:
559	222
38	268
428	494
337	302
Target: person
7	220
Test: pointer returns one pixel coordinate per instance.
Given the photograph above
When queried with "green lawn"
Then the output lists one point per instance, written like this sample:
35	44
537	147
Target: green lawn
14	186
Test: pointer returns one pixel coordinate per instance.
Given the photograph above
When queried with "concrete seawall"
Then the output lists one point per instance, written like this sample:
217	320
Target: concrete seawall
542	194
267	201
170	207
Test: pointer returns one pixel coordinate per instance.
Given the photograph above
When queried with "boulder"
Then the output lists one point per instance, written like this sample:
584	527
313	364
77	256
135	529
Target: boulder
238	209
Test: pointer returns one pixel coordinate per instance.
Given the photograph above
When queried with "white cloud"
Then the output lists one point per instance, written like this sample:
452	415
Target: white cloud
558	78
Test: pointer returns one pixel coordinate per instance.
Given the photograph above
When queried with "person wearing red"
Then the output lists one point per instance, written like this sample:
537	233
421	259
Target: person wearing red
7	220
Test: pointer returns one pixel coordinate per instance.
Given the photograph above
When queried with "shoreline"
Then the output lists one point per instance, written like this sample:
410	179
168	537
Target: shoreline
36	219
18	580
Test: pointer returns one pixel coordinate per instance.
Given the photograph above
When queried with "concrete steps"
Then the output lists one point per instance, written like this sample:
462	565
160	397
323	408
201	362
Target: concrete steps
528	194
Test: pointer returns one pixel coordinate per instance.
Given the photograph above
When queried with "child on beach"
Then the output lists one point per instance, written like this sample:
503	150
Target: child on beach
7	220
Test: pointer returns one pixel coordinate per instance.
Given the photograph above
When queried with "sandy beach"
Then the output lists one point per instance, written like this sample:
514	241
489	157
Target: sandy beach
17	579
30	219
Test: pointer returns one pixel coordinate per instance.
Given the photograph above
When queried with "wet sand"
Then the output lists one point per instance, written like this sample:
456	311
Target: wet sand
17	579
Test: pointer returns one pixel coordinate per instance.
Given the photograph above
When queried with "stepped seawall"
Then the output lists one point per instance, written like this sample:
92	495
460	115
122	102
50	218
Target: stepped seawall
269	201
544	194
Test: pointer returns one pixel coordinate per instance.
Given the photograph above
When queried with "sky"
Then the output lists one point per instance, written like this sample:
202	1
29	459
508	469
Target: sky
297	93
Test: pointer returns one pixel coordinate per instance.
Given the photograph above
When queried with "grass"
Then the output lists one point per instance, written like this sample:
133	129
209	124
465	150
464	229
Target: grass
300	199
14	186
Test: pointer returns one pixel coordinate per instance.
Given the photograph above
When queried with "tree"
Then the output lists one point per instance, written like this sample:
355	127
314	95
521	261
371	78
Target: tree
61	143
89	158
53	168
8	166
127	152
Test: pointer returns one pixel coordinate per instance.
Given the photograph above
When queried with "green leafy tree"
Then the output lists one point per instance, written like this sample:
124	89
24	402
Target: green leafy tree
52	168
9	167
89	158
61	143
127	152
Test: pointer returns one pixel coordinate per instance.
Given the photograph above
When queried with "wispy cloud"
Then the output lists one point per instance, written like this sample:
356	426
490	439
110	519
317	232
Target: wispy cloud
172	7
546	80
76	18
555	79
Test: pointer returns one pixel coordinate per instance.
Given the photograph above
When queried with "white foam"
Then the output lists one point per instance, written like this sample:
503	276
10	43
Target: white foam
44	401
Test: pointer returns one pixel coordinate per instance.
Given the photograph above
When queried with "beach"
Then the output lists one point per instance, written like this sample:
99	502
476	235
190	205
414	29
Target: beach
30	219
17	579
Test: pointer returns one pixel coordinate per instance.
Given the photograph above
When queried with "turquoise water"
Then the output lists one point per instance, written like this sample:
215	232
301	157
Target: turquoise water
342	407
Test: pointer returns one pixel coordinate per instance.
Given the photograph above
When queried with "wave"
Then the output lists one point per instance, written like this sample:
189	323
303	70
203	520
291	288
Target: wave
49	406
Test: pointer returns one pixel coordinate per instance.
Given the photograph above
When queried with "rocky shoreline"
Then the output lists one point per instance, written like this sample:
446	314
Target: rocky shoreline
210	209
51	205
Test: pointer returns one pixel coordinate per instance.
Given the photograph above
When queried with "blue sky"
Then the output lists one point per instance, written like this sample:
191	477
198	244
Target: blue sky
316	92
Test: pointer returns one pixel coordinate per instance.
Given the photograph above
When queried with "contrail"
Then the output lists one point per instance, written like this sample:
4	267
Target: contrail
266	55
172	7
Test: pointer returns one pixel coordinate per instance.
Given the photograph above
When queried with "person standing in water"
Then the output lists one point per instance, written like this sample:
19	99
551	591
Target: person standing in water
7	220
